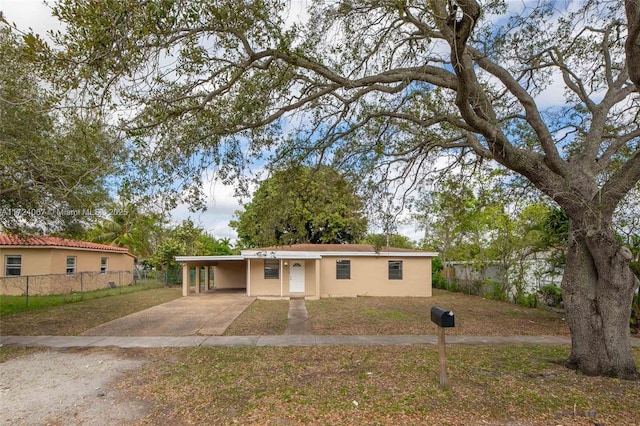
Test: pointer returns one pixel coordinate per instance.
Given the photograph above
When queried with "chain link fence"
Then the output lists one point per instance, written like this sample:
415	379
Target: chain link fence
32	285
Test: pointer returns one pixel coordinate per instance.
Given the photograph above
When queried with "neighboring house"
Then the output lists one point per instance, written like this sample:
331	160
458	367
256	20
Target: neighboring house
536	271
316	270
57	265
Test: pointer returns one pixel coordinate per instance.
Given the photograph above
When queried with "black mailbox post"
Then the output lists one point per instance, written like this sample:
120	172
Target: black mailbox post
443	319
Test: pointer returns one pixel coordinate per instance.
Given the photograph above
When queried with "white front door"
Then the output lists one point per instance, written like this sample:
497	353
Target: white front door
296	277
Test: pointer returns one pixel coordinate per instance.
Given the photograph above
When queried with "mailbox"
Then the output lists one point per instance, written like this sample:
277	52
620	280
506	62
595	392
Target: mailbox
442	317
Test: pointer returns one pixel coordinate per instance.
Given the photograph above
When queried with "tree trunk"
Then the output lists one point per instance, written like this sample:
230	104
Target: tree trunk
598	287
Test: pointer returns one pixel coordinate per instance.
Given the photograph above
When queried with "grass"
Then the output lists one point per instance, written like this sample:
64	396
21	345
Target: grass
388	315
497	384
378	385
14	304
402	315
261	318
74	318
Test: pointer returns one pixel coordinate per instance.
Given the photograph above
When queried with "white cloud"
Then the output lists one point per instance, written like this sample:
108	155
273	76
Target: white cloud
30	14
221	205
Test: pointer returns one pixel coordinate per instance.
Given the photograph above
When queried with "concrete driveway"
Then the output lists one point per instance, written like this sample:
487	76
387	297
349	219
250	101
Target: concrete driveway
205	314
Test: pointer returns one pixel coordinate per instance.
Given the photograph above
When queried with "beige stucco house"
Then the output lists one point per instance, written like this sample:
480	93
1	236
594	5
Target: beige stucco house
314	271
58	265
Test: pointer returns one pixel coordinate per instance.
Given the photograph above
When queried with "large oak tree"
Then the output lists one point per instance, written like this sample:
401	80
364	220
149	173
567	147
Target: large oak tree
384	87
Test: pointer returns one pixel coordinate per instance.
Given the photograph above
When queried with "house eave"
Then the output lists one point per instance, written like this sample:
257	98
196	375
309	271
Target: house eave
208	258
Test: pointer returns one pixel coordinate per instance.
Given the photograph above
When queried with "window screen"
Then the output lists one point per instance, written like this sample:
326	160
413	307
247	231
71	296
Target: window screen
395	269
343	269
271	269
13	265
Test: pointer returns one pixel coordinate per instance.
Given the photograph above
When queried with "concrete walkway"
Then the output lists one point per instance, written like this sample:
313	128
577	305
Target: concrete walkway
280	340
298	318
153	328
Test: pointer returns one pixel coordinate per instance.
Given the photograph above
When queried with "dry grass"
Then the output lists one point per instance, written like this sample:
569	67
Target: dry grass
515	385
403	315
74	318
261	318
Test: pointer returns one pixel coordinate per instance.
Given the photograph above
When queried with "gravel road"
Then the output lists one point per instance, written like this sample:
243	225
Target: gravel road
67	388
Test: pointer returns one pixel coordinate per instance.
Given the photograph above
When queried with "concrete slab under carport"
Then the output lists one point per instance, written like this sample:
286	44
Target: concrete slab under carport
205	314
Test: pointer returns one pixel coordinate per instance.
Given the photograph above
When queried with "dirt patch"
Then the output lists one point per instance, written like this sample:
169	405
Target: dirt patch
70	388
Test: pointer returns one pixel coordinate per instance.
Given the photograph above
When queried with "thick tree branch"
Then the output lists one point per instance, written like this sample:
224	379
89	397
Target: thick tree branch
632	45
620	183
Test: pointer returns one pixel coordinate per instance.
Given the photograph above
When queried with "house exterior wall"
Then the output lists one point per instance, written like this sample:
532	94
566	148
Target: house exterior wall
89	261
34	261
230	275
370	277
46	268
369	272
262	287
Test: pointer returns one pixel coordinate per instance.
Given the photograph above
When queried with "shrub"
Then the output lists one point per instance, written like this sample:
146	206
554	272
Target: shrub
453	285
551	295
496	291
635	314
635	267
527	300
437	279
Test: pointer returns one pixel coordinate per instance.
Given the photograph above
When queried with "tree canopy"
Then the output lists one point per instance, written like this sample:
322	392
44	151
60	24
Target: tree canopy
302	205
186	239
386	88
54	164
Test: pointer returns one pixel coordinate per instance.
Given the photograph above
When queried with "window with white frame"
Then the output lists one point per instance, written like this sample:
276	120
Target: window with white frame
271	269
13	265
343	269
103	265
71	265
395	269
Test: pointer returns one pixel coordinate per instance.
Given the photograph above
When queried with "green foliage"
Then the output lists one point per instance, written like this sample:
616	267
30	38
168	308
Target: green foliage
556	234
186	239
126	226
551	295
437	280
394	240
496	291
302	205
527	300
54	163
635	267
635	314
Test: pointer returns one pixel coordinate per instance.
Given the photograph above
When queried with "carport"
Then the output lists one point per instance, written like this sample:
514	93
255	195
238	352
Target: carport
226	272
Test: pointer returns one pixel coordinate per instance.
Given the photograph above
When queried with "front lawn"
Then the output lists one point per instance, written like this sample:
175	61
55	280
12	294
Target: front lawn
403	315
13	304
496	385
74	318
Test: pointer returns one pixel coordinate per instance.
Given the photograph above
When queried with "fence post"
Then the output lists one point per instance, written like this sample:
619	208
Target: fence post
26	307
81	284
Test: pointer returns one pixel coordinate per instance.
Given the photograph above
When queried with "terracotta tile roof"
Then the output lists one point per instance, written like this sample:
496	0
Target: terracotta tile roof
363	248
47	241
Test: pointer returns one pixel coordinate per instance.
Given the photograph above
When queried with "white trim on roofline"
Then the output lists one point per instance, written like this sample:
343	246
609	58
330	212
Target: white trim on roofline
288	254
207	258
